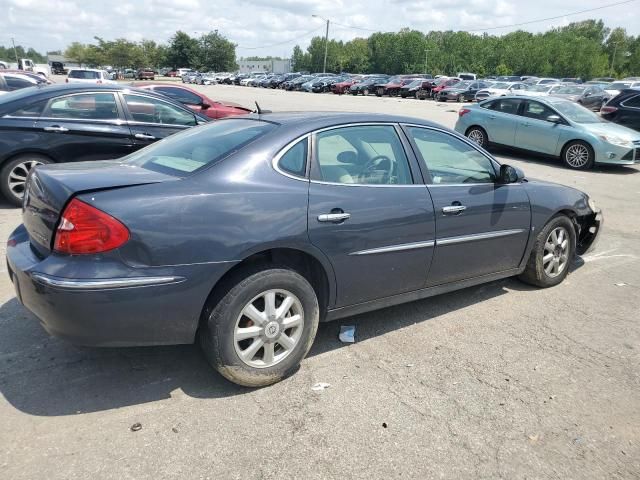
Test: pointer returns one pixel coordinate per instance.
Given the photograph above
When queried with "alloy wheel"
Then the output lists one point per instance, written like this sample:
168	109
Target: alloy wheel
268	328
17	179
577	155
556	252
476	136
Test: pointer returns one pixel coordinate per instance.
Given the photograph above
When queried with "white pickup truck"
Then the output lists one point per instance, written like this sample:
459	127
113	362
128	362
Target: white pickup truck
27	65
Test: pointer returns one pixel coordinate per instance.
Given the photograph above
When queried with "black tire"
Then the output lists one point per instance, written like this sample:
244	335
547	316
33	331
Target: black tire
216	334
578	161
534	273
379	92
14	194
460	98
365	92
478	135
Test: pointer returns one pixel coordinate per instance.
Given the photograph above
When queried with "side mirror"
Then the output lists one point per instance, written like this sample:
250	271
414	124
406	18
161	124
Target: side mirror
205	105
587	94
554	119
509	174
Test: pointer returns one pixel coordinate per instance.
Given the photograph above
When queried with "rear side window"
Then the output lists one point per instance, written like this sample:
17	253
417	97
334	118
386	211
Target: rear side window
153	110
633	102
16	83
193	149
294	161
505	105
85	106
84	74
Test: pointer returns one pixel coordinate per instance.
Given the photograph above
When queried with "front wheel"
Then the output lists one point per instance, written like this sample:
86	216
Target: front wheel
262	328
578	155
13	176
552	253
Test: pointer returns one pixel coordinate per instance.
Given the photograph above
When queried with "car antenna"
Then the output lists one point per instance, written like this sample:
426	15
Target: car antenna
259	111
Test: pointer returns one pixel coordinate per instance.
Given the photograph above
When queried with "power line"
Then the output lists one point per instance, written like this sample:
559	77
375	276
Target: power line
552	18
282	43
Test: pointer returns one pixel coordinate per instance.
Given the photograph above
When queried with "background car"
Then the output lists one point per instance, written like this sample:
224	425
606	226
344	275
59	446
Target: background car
624	109
442	83
206	79
538	90
411	89
89	75
551	126
145	74
499	89
10	81
193	238
367	85
464	91
71	122
590	96
615	88
196	100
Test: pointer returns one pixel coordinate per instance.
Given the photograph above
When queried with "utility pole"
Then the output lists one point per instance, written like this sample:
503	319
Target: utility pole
15	52
426	60
615	49
326	42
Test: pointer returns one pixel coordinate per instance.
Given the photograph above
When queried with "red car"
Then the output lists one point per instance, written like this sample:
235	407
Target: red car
343	87
196	100
393	86
442	85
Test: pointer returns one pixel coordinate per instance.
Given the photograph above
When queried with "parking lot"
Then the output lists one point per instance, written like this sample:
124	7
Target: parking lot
495	381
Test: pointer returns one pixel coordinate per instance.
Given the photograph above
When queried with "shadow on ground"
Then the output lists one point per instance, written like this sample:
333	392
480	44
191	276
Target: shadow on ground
45	376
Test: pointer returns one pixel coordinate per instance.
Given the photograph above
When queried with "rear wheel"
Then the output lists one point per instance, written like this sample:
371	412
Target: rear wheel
552	253
460	98
13	176
578	155
262	328
478	135
365	92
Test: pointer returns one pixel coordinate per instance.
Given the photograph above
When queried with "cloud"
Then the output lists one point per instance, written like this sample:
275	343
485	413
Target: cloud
53	24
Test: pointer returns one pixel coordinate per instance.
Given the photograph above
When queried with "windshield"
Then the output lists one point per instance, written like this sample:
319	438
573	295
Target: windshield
500	85
415	83
537	88
577	113
193	149
618	85
570	90
84	74
461	85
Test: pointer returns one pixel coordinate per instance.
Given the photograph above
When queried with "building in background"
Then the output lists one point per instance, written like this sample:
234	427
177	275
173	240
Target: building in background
66	62
268	65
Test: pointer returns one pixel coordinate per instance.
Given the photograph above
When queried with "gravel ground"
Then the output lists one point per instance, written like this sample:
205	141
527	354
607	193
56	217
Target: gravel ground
495	381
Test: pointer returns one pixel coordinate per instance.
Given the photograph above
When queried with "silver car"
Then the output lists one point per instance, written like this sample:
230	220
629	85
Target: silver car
551	126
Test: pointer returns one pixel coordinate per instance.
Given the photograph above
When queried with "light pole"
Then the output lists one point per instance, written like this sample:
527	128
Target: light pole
15	52
326	42
426	60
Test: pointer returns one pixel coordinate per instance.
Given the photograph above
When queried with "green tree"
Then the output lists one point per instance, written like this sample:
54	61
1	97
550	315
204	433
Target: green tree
182	51
215	52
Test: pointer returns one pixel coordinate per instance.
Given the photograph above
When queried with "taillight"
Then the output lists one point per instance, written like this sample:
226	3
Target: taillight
84	229
606	109
463	111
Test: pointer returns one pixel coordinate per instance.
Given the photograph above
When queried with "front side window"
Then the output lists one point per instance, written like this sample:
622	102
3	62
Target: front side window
450	160
365	155
537	111
294	161
153	110
195	148
85	106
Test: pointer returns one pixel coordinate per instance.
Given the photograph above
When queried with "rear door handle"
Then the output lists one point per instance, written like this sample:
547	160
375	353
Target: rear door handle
492	117
453	209
56	128
144	136
526	124
334	217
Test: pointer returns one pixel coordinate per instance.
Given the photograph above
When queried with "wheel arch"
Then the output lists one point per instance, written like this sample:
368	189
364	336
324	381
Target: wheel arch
582	140
313	266
42	153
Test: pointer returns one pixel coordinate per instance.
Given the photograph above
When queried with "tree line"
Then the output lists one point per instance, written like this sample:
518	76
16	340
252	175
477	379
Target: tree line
586	49
8	54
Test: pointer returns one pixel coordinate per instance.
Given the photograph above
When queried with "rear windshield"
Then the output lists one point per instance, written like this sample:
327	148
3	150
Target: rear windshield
84	74
193	149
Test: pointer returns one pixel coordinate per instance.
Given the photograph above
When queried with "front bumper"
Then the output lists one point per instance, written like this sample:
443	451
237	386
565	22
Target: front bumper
611	154
590	232
129	307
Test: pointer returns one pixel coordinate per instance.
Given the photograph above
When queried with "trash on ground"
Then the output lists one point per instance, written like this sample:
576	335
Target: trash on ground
347	333
318	387
136	426
409	365
621	284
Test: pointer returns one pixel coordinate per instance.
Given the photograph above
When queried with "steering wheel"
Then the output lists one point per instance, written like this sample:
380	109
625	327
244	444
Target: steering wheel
372	165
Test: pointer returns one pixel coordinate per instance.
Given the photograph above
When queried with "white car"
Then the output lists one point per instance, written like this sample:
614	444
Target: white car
89	75
615	88
541	90
245	81
499	89
10	81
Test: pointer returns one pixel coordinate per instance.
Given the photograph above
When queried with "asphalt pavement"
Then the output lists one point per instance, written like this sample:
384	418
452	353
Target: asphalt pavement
496	381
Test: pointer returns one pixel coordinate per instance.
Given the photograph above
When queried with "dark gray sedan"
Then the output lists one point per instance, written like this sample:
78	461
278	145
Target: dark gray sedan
590	96
245	233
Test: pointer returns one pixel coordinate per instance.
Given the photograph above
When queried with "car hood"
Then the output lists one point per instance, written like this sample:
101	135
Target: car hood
568	96
613	129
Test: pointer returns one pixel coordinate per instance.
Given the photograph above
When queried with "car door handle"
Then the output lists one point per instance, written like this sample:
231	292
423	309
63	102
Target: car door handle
334	217
525	124
492	117
56	128
453	209
144	136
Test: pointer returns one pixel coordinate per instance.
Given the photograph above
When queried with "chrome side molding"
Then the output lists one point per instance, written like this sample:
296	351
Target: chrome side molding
102	284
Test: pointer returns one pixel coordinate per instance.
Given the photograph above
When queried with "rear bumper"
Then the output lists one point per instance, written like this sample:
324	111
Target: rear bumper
139	306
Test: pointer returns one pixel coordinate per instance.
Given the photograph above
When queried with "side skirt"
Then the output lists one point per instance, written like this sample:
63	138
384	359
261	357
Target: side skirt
342	312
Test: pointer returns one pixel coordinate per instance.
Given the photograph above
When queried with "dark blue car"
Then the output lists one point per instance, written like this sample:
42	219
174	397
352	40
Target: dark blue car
245	233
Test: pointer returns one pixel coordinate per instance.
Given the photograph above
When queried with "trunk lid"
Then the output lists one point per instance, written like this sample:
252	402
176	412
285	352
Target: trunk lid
50	187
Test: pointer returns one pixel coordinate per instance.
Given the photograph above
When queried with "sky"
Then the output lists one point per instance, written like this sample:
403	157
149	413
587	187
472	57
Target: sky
273	27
